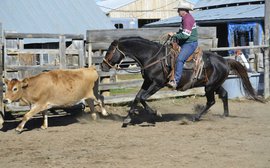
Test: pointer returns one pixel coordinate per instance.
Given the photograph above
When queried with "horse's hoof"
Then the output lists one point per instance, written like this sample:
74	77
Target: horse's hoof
124	125
126	121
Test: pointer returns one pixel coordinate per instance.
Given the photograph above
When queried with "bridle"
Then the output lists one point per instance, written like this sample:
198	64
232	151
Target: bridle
116	66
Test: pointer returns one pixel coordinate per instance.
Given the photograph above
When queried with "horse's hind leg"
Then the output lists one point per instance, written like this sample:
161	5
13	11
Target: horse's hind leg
210	95
223	95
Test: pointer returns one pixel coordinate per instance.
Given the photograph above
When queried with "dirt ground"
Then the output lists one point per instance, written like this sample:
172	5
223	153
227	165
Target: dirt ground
239	141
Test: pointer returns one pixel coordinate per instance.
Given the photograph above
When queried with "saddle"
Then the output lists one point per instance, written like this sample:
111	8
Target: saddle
194	62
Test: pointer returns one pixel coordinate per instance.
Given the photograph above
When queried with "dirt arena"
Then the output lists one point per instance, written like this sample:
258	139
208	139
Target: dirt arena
239	141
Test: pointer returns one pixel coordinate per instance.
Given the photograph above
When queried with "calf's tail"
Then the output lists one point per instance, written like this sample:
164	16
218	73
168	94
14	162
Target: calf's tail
96	92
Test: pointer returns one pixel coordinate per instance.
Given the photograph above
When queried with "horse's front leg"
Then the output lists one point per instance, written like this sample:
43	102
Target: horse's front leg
151	90
148	89
133	109
143	95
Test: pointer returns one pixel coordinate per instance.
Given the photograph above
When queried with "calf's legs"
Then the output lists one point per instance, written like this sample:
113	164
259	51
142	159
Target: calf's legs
100	103
96	97
45	120
34	110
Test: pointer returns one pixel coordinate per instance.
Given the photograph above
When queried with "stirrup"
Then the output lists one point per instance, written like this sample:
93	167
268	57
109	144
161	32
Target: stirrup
172	84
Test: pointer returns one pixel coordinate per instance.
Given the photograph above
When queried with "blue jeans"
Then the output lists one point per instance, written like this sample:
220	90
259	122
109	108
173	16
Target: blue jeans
186	50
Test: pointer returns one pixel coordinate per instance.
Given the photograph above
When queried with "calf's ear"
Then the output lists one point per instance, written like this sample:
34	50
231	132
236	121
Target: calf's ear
25	83
6	81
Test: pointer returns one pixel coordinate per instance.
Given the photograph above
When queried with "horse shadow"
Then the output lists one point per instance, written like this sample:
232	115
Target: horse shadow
143	118
146	119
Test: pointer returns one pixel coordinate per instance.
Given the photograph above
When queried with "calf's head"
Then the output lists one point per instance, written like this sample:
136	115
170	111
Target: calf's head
14	90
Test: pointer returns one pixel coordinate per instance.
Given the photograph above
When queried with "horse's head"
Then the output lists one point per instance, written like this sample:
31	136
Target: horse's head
113	57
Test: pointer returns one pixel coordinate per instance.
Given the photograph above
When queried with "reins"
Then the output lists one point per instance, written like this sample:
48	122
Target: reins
116	66
159	60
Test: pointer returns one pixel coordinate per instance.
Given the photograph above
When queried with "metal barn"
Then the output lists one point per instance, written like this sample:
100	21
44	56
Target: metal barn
146	11
52	16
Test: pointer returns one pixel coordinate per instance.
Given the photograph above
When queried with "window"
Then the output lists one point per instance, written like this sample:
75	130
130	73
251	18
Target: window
119	25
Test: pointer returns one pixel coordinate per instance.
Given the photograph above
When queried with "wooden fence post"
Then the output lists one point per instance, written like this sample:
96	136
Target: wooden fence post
253	60
81	54
62	52
90	54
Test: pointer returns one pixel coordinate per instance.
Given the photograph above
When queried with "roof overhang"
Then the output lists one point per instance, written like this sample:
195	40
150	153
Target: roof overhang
218	15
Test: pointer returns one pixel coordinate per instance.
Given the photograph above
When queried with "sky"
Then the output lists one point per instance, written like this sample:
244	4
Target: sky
193	1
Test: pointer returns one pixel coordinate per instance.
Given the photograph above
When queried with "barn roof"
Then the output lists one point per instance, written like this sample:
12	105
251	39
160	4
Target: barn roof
52	16
109	5
212	3
233	13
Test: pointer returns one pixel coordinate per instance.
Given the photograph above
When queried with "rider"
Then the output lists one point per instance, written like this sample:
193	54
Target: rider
187	38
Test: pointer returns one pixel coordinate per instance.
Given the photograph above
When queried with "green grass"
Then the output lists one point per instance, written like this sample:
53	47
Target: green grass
129	76
123	91
126	90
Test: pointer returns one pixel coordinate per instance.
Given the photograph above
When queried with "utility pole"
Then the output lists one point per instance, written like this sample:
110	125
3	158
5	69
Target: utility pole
266	39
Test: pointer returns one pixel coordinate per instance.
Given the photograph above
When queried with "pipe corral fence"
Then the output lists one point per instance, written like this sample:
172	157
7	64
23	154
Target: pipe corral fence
68	51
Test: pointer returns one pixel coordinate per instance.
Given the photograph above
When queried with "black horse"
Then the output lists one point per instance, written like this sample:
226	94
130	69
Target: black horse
151	57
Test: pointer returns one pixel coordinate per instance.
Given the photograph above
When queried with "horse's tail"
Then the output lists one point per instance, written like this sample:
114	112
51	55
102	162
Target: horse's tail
241	72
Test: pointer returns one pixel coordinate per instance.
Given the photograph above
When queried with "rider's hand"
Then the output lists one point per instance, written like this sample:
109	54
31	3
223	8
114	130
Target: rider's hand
171	34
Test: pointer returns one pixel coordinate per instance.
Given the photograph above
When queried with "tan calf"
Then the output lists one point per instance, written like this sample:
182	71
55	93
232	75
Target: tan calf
57	88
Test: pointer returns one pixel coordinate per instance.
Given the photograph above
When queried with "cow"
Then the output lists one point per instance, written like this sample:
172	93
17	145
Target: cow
56	88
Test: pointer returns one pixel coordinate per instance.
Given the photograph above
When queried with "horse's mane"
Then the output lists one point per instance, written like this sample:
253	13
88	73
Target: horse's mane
139	39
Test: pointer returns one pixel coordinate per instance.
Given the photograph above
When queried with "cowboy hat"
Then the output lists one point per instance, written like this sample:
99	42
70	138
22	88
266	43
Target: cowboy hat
184	5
